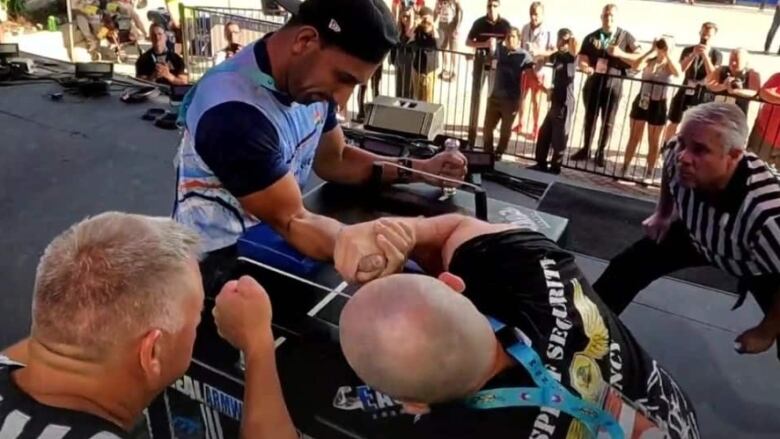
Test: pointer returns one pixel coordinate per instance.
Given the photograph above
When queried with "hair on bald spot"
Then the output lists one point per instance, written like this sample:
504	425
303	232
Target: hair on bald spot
109	277
414	338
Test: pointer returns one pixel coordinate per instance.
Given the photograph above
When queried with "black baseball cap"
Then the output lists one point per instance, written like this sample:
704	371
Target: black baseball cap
362	28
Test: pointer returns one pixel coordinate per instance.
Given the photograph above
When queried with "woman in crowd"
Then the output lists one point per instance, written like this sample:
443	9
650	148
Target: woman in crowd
650	105
402	57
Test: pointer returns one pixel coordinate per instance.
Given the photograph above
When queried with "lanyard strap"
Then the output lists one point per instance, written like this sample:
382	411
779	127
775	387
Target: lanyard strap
549	393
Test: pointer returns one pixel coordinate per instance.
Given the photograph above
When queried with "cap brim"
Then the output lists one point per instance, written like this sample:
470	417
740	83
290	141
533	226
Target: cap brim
291	6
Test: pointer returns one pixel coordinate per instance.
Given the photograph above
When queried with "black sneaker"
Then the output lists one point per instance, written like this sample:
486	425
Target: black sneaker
580	155
554	170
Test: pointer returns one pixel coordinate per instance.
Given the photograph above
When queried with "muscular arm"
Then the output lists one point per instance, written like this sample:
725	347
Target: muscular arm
338	162
18	351
281	207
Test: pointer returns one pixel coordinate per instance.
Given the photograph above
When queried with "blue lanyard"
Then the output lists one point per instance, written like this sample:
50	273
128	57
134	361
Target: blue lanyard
549	393
256	76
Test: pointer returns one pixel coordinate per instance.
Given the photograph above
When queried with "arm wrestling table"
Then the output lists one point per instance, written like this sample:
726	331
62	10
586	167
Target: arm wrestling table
325	398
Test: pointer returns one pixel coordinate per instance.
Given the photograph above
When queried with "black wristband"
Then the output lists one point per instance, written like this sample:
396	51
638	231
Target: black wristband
404	175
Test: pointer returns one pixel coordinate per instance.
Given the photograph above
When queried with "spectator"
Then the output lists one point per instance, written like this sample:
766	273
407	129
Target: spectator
449	15
557	124
764	139
491	26
505	96
736	82
538	41
772	30
232	33
606	56
3	19
399	6
158	64
697	62
649	106
87	15
402	56
131	290
426	59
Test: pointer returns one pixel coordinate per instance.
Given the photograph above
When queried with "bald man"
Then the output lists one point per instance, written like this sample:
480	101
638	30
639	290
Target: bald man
427	342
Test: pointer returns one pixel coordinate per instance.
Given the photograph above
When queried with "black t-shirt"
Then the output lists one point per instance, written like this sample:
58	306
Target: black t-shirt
595	46
426	58
564	68
697	71
483	29
510	65
524	280
21	417
147	62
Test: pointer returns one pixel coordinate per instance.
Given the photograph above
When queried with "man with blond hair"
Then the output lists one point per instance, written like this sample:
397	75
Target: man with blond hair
117	299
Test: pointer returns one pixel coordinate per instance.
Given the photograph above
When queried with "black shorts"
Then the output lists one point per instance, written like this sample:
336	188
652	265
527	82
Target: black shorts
655	114
680	103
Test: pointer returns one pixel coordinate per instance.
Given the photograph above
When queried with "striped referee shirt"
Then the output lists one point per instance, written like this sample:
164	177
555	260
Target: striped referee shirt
737	230
21	417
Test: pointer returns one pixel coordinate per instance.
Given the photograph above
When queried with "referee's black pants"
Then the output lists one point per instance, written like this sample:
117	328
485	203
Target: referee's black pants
645	261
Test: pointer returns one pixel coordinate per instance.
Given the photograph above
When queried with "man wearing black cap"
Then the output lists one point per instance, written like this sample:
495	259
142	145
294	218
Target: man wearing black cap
257	124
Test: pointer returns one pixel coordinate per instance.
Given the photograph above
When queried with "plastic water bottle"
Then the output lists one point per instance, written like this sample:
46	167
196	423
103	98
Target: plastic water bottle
451	145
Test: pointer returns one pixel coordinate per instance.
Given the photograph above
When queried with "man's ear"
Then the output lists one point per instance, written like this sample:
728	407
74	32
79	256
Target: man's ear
149	355
453	281
304	38
415	408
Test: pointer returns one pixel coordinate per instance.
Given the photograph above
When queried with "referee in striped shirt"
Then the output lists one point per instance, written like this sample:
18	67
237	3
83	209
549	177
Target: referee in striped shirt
719	205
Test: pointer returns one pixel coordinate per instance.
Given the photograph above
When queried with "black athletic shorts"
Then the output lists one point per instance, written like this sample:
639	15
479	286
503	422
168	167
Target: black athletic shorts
654	114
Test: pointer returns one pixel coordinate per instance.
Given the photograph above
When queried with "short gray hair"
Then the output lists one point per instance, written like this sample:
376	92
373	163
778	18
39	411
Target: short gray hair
726	118
110	277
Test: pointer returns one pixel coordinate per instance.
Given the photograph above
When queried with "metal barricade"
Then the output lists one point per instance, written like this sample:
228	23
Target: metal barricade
203	32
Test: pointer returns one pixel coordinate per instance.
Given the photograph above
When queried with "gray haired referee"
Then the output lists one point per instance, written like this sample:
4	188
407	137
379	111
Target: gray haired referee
720	206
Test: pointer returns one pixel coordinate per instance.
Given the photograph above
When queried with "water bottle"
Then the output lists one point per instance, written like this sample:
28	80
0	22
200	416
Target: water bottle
451	145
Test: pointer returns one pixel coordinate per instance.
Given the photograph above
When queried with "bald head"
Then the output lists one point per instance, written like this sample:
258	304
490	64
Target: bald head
415	339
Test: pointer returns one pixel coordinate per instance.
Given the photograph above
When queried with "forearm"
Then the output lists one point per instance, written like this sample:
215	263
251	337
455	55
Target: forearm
313	235
770	95
265	414
717	87
355	166
686	62
630	58
665	205
708	65
178	79
743	93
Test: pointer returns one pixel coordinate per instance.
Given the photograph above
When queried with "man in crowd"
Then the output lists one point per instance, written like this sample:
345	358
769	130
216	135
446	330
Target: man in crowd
426	58
258	124
557	124
736	82
490	27
606	56
232	35
443	361
697	62
160	65
717	207
116	301
506	93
